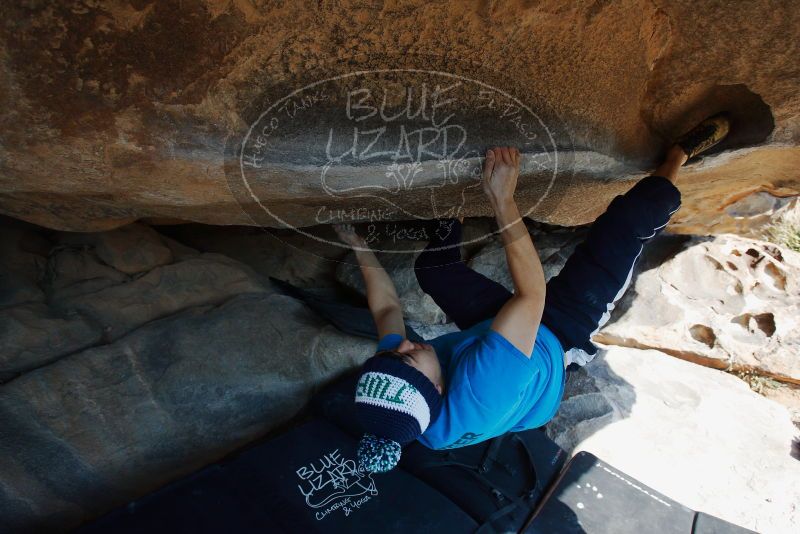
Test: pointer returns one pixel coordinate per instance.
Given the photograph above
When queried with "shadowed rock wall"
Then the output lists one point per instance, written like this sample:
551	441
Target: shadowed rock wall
121	110
130	360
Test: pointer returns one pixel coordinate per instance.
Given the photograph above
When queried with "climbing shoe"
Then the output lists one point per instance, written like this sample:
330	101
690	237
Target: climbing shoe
705	135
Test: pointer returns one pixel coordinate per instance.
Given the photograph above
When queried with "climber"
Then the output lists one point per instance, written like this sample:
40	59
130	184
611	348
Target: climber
505	369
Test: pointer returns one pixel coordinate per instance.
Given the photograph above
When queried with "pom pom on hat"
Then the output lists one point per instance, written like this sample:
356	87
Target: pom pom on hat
378	455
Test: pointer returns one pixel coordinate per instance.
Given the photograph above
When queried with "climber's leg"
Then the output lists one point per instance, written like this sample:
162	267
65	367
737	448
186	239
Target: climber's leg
466	296
580	298
676	157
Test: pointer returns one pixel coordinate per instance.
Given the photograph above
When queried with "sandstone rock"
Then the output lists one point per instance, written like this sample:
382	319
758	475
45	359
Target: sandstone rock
288	256
760	204
130	249
69	267
22	262
201	280
91	417
32	335
178	250
722	301
747	207
699	435
109	424
15	289
63	299
107	121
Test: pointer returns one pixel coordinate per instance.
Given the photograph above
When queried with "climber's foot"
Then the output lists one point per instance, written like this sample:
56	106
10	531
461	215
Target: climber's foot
705	135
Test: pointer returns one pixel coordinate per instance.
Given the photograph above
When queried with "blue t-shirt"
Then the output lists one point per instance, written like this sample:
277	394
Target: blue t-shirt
491	387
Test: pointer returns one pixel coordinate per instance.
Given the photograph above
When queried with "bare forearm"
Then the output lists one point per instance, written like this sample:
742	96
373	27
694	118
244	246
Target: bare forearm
380	288
381	295
523	261
518	319
384	304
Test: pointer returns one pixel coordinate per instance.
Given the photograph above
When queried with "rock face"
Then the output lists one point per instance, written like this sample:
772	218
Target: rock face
118	111
698	435
130	249
108	424
73	296
726	301
112	384
285	255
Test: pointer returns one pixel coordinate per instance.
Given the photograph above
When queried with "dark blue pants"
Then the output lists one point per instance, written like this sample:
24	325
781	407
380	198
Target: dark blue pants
580	298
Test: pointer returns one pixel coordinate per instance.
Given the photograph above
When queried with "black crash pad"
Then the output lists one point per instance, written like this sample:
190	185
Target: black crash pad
593	497
303	481
523	467
708	524
206	501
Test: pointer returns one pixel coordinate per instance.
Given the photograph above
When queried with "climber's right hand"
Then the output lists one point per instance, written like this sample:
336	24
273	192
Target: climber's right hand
500	174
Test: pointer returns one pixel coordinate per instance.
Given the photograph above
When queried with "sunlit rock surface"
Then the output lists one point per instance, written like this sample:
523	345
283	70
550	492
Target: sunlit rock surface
118	111
723	302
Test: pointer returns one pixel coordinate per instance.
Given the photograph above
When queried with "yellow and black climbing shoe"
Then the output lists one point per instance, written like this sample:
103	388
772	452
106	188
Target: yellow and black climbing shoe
705	135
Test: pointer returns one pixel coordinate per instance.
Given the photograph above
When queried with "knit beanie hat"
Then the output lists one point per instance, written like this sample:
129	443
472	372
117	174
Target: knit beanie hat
395	403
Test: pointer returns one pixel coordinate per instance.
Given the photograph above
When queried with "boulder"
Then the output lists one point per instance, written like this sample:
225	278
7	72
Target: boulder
201	280
108	121
33	335
584	408
66	296
112	423
23	253
698	435
723	302
286	255
130	249
76	270
131	359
